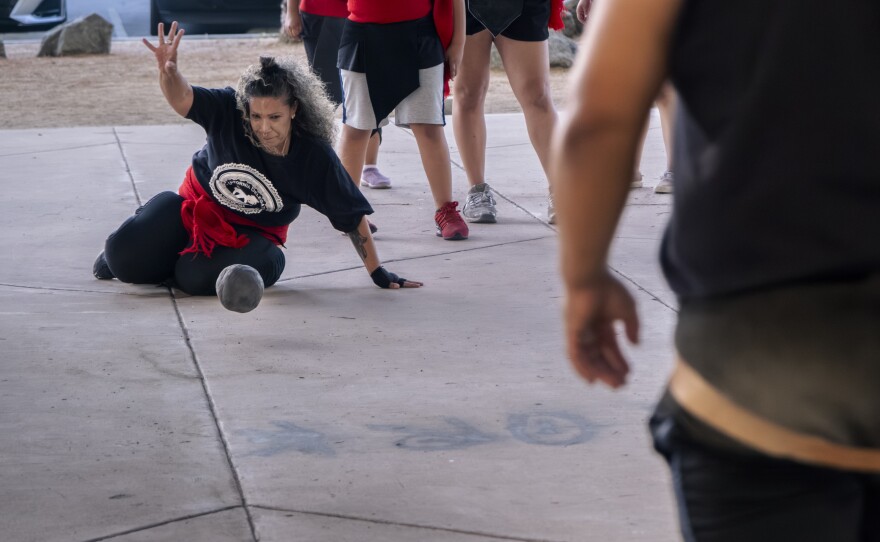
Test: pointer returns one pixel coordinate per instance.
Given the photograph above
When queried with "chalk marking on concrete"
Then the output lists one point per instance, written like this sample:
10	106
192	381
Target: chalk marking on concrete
550	428
288	437
427	439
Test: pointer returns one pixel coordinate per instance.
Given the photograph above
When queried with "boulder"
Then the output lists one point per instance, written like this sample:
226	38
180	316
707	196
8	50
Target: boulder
562	50
573	27
89	35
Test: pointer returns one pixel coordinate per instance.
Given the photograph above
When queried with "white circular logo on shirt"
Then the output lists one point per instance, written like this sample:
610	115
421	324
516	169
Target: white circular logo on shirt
244	189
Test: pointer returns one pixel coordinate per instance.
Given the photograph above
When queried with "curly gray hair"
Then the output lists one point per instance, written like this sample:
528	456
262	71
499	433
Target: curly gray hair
290	79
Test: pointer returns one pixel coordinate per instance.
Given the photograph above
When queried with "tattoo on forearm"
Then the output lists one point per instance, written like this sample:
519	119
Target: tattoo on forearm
360	244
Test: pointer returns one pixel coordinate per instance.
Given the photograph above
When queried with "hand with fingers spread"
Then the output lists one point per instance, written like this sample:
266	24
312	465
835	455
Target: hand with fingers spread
166	49
175	88
590	314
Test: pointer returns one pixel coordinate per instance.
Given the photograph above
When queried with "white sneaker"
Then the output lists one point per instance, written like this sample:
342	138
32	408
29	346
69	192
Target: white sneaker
551	210
479	206
665	184
371	177
637	180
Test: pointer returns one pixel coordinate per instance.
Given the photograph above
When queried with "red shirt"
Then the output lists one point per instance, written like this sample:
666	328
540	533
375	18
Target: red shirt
388	11
325	8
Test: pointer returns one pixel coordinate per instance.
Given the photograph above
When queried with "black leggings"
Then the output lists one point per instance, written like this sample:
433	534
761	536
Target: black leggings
146	248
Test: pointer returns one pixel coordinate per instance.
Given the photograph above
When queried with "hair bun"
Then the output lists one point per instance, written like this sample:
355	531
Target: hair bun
268	66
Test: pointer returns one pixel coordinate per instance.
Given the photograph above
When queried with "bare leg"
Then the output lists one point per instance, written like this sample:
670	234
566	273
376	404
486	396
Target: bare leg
373	150
637	165
468	96
435	159
666	102
353	150
528	70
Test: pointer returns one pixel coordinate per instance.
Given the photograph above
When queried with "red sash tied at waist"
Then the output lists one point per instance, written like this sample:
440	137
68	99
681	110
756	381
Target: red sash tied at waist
209	224
557	8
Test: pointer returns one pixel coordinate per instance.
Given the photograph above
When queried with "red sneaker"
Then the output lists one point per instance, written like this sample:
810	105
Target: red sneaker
450	225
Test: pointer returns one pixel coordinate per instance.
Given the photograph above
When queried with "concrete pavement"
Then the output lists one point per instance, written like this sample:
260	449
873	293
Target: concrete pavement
334	411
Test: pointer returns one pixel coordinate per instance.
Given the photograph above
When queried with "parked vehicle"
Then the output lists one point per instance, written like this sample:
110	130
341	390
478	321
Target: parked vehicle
31	15
216	15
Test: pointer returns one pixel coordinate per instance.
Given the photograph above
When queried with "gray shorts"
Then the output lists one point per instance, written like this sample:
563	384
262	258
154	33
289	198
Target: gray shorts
423	106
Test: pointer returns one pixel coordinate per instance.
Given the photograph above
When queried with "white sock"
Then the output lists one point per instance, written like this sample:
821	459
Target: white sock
370	166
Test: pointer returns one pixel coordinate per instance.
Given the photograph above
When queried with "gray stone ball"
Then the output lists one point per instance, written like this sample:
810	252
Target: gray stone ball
240	288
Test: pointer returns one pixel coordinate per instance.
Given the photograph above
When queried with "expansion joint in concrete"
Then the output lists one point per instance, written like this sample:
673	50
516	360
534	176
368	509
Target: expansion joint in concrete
641	288
402	524
55	150
212	407
163	523
134	189
413	258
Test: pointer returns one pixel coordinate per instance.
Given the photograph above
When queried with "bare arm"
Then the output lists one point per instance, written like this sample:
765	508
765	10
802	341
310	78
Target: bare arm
363	243
456	47
176	89
615	79
292	20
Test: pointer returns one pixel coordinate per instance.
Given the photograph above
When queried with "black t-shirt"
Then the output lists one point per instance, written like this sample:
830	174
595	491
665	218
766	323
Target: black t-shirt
264	188
776	145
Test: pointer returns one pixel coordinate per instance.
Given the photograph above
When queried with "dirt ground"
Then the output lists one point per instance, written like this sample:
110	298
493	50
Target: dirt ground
122	89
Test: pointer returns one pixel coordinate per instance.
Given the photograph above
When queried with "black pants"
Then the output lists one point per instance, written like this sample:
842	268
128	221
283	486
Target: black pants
146	248
729	493
321	37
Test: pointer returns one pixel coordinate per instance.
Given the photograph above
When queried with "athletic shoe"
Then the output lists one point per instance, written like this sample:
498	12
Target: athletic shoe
480	205
240	288
373	178
637	180
551	210
665	184
450	226
100	268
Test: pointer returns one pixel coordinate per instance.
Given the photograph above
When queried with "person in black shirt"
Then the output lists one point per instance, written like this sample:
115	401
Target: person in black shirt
268	152
771	420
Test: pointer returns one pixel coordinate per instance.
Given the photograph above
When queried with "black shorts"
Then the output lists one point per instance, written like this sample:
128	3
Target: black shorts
531	25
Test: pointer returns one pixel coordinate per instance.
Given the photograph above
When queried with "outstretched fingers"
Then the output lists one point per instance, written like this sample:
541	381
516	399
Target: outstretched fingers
167	42
178	35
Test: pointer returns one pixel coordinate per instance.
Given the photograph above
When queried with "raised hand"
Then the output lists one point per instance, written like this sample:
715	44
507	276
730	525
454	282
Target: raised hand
166	50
